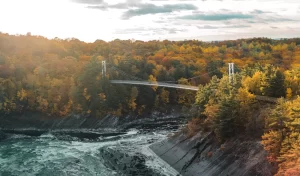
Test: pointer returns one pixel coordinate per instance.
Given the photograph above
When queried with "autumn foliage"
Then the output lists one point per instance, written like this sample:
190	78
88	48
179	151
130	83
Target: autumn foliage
60	77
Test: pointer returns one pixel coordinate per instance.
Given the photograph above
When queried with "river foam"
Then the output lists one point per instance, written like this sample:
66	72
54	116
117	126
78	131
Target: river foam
48	154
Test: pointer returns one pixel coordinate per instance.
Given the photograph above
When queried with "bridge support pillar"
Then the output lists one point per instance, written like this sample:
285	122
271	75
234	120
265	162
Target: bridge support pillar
231	72
103	68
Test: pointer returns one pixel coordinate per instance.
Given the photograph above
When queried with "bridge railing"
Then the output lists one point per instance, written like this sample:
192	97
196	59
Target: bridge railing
153	83
181	86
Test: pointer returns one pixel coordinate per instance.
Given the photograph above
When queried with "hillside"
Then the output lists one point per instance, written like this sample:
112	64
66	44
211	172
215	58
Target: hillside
59	77
62	76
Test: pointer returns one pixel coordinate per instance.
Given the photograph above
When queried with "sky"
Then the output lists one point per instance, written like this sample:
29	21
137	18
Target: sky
206	20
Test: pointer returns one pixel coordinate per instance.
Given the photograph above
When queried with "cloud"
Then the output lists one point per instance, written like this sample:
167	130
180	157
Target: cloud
256	11
136	8
149	30
130	30
100	7
127	4
268	20
160	21
124	5
145	9
222	27
217	16
174	30
207	27
273	27
173	0
88	1
276	19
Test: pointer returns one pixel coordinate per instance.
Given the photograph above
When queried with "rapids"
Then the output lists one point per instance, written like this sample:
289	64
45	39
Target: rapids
63	153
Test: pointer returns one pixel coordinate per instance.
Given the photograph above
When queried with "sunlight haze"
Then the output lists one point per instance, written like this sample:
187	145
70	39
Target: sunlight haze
89	20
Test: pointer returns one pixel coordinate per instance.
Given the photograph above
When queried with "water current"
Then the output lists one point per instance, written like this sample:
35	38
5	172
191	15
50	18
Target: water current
62	154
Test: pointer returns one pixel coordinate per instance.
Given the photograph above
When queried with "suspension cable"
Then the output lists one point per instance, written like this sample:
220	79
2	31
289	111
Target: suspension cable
124	73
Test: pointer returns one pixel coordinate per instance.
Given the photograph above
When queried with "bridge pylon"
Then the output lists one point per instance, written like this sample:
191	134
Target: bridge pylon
231	72
103	69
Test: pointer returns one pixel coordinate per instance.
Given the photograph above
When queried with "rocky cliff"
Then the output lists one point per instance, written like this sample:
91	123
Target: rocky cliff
201	155
36	120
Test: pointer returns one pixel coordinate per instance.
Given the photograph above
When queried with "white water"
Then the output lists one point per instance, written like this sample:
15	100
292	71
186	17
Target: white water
47	155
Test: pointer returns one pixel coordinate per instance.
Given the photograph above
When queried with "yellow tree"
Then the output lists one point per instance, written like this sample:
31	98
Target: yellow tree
164	96
282	141
289	93
247	106
152	79
132	104
272	142
253	84
185	97
22	94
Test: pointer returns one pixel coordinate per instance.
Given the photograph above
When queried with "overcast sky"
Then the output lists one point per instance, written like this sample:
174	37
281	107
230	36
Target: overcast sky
207	20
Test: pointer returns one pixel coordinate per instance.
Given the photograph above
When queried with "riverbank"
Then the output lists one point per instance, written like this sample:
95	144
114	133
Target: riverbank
202	155
197	155
40	121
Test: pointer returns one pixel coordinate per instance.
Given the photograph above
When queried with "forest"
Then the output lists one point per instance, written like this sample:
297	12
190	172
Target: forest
59	77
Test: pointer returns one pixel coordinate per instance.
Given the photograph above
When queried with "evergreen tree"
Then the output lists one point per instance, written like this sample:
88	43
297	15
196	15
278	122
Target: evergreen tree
224	123
277	87
213	70
205	92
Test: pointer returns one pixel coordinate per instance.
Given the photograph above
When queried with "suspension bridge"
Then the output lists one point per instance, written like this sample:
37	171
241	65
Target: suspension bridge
138	81
158	84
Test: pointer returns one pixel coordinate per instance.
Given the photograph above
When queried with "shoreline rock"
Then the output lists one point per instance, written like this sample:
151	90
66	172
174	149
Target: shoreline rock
39	121
201	155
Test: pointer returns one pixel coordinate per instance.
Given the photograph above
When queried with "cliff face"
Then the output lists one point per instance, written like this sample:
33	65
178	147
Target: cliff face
201	155
41	121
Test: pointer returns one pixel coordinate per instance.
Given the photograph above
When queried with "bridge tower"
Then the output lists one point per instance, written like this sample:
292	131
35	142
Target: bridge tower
103	68
231	72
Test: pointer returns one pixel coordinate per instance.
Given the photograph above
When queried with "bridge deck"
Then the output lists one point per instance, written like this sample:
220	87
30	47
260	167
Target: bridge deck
181	86
159	84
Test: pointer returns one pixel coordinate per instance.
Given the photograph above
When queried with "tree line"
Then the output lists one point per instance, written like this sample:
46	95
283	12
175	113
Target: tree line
59	77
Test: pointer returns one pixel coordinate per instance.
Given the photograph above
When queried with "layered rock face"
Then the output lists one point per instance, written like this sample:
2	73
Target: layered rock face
201	155
37	120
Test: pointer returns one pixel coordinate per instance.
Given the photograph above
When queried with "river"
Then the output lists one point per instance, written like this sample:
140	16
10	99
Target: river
59	153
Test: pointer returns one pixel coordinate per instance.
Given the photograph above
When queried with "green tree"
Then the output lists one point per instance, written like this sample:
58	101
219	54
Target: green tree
277	87
212	69
205	92
224	122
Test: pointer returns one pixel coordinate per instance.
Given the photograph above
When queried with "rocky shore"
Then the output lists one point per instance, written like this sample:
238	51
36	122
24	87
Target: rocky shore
201	155
86	127
36	120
